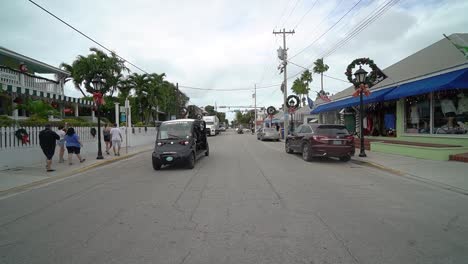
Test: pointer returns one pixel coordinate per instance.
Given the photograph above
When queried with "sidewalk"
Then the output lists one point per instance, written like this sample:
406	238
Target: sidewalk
29	175
449	174
22	168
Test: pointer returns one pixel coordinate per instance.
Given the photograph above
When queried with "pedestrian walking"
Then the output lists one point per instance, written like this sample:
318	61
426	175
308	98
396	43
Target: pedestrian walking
107	137
116	136
47	141
61	142
73	144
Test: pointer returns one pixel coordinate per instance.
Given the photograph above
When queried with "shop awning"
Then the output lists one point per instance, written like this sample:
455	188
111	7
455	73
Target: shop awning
451	80
375	96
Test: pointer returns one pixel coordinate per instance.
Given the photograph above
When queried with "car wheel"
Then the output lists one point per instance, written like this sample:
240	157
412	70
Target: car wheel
345	158
207	152
306	152
156	165
191	162
287	147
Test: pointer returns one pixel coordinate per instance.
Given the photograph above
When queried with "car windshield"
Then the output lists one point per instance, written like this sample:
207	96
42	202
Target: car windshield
331	130
269	130
209	123
175	130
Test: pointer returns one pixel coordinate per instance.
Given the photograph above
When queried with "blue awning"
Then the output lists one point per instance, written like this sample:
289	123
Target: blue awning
451	80
375	96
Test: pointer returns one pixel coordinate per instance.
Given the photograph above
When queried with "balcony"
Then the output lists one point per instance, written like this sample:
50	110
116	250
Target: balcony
16	78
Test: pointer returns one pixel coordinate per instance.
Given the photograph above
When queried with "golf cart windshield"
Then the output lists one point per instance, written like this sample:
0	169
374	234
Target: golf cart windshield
175	130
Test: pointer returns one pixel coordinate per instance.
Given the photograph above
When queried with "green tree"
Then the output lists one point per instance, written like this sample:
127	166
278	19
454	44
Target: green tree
38	109
210	109
301	85
320	68
84	69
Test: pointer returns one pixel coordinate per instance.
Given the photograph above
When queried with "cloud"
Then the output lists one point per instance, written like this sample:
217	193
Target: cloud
227	44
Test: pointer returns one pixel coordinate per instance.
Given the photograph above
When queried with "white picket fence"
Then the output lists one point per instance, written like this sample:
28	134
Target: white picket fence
8	139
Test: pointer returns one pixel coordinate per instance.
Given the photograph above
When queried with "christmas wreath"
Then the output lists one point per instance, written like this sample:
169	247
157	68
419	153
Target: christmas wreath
373	75
22	134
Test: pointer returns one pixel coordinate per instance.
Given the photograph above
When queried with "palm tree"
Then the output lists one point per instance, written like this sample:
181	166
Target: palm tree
84	69
320	68
301	85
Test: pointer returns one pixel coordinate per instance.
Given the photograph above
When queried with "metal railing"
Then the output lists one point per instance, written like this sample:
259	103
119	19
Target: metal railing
16	78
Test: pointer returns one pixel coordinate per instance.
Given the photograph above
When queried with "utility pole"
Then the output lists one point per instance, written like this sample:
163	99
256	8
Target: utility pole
284	57
255	106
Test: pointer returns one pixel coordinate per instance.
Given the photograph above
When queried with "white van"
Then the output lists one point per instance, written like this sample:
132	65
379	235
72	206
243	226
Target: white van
212	125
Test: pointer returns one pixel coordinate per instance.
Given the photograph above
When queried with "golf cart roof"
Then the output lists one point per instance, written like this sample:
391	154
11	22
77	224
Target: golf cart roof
181	120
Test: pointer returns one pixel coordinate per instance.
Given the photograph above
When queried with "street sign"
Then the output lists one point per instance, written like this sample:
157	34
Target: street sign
122	109
123	117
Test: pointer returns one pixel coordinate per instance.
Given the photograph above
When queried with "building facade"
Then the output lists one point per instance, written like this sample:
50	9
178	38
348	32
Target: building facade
420	110
22	78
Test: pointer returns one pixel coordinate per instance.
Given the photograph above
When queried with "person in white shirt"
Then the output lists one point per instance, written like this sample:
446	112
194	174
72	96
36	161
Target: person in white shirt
116	136
61	142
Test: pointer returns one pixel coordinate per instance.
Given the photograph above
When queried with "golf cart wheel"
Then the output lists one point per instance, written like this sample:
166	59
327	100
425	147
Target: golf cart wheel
191	162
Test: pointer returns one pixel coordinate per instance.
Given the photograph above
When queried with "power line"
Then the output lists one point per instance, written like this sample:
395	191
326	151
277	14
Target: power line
307	12
283	13
86	36
373	16
227	90
328	30
290	13
334	78
328	76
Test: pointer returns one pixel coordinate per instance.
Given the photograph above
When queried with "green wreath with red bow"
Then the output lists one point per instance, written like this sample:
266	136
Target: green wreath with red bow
22	134
372	76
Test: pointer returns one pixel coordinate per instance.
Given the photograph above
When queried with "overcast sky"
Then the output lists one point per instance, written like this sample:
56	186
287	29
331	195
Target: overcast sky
226	44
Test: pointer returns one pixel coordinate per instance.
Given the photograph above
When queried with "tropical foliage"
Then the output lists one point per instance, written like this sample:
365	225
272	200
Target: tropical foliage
38	109
320	68
301	85
149	94
245	118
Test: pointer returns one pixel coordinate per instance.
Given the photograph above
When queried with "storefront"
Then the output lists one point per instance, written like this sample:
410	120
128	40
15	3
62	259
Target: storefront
423	103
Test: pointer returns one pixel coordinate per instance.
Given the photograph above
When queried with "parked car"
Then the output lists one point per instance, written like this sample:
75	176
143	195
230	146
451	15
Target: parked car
268	134
321	140
180	141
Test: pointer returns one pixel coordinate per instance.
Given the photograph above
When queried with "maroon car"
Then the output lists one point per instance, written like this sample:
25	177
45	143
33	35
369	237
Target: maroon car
317	140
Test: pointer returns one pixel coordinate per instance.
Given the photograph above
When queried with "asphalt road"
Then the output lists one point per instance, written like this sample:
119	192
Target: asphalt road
248	202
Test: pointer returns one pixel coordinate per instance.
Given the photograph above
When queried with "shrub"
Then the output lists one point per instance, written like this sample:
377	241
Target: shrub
6	121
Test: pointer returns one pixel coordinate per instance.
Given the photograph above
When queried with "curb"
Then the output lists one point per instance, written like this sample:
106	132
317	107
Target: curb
411	176
378	166
31	185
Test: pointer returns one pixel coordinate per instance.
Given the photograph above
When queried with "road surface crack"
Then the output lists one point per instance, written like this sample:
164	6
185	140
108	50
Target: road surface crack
337	237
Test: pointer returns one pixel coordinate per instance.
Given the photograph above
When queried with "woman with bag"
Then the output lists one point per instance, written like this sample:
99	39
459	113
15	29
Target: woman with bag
73	144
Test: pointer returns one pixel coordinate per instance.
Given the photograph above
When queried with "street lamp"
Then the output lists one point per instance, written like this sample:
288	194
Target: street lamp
98	84
361	76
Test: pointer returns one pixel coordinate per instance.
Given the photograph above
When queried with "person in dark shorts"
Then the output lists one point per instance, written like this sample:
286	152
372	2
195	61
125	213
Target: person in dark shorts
107	137
47	141
73	144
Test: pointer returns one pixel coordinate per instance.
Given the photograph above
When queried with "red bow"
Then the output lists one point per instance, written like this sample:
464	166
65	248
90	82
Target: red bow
24	139
364	88
98	99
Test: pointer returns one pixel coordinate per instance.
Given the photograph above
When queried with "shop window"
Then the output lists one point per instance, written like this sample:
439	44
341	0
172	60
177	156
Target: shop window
451	112
380	119
418	114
